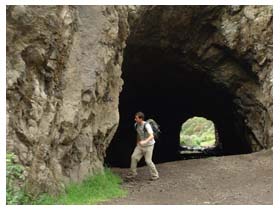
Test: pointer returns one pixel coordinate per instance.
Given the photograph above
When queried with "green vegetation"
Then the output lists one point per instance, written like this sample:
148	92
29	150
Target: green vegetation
14	182
92	190
197	131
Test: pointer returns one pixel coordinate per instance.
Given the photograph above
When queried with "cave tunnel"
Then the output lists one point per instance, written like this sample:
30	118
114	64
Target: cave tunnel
171	92
166	78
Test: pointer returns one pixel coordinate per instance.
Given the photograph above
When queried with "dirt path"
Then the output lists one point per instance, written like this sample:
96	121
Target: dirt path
239	179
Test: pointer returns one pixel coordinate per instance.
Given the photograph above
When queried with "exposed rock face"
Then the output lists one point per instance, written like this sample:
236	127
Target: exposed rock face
64	77
63	83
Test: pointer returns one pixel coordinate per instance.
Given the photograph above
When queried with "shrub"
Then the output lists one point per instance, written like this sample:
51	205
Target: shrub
197	131
14	181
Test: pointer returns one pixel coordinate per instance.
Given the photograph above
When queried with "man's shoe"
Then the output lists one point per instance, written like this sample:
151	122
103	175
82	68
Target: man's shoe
131	176
154	178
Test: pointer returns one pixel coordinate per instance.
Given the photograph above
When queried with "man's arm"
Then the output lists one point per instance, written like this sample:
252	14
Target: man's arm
151	136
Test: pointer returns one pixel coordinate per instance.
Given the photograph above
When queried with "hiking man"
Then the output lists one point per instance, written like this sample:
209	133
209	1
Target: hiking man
144	147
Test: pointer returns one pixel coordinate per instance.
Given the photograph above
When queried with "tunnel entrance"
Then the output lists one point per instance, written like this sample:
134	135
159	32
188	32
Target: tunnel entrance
166	79
170	93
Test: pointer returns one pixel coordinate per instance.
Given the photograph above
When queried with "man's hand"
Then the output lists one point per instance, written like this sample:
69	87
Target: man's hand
143	142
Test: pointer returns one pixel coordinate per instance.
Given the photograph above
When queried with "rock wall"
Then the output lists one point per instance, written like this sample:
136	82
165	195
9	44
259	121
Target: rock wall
63	83
247	31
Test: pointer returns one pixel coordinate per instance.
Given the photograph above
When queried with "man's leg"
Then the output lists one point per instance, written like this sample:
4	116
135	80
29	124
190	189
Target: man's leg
148	158
135	157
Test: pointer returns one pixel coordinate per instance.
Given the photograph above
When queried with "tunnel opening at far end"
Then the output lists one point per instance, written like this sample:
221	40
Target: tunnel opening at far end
199	137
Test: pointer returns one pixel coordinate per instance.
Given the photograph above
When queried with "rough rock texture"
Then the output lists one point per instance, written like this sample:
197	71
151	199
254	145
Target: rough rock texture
63	83
64	68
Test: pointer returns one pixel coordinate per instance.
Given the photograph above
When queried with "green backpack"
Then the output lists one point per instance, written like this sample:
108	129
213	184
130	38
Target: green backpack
155	128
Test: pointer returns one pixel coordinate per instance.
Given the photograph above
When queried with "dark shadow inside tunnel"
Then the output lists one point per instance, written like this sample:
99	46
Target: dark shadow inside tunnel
170	92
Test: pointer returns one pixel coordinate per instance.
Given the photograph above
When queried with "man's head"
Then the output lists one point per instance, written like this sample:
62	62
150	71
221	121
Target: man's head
139	117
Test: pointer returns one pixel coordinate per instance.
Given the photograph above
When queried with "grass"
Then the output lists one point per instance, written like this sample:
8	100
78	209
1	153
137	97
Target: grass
93	190
207	143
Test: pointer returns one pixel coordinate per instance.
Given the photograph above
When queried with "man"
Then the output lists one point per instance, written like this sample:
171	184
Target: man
144	147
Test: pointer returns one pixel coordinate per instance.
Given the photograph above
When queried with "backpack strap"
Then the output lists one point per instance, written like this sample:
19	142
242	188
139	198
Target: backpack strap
144	129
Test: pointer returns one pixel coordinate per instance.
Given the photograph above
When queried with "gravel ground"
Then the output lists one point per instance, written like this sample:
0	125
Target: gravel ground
238	179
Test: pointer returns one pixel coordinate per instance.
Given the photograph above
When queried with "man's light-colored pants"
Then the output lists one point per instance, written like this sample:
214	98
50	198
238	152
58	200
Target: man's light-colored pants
138	153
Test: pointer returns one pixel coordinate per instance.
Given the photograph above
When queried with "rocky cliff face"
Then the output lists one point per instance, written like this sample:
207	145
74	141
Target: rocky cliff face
64	76
63	83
